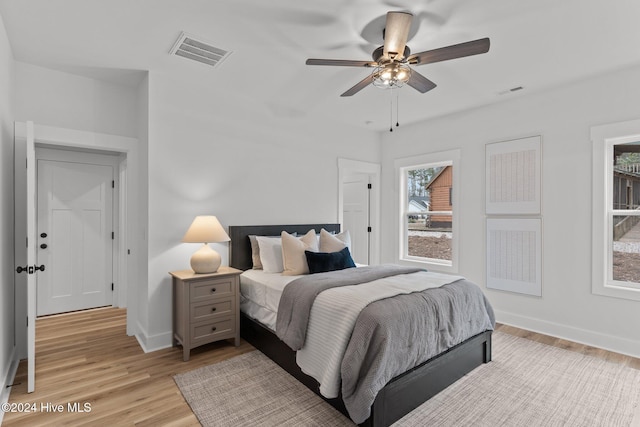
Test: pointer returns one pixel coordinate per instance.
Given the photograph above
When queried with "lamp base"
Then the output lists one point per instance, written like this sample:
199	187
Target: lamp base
205	260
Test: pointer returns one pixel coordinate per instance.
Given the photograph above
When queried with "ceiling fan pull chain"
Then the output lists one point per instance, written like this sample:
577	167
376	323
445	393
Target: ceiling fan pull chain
397	109
391	110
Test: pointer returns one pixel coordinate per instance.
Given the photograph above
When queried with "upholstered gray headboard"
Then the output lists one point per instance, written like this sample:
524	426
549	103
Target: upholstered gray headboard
240	246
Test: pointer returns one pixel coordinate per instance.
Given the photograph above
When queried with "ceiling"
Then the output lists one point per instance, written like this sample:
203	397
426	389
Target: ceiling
535	44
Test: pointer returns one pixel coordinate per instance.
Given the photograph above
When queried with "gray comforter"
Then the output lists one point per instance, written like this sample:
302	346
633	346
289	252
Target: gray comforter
396	334
298	296
391	335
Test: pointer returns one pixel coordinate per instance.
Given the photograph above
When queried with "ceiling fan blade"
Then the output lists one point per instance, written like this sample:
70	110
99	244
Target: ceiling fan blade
396	32
359	86
420	82
341	62
461	50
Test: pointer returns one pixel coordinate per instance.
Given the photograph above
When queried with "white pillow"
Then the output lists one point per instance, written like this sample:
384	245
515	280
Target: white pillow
270	254
255	250
334	242
294	259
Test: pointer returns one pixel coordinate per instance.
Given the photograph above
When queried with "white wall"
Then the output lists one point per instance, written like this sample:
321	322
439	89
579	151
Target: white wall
55	98
138	291
226	156
7	325
563	117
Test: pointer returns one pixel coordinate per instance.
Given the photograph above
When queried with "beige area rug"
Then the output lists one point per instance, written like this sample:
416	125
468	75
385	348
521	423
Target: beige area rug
527	384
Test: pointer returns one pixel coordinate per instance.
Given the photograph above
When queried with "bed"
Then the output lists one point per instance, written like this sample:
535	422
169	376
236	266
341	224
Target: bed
401	394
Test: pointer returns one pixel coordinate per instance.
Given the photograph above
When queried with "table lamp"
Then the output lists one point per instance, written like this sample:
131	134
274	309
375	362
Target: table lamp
205	229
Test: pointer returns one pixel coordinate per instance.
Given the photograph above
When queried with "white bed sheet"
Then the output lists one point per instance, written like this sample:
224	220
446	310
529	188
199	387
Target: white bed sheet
260	294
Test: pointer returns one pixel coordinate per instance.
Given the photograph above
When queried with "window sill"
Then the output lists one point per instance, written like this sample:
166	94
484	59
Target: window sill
615	291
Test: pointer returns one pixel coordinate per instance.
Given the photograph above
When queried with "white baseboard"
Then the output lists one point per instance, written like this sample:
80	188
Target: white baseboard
570	333
153	342
8	380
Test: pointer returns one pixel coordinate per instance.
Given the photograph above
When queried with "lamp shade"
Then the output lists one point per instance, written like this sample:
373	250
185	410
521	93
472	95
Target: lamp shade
205	229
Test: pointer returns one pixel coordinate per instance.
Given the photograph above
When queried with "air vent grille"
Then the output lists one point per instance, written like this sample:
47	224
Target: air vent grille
189	47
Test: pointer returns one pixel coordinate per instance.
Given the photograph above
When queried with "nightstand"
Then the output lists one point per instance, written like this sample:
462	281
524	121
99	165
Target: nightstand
206	307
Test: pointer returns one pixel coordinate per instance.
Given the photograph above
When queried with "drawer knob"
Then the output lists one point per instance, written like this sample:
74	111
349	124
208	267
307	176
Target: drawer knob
213	329
213	290
213	309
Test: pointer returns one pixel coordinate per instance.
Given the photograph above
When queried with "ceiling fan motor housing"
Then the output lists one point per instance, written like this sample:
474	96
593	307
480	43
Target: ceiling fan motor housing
378	55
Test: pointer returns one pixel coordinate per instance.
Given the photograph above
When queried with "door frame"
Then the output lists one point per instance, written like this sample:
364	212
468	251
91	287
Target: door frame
127	233
348	167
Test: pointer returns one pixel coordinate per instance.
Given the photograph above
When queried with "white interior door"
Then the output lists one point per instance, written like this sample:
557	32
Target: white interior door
355	215
31	259
75	241
25	254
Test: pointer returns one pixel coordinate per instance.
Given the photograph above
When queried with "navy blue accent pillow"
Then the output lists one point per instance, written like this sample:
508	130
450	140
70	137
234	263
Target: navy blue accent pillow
320	262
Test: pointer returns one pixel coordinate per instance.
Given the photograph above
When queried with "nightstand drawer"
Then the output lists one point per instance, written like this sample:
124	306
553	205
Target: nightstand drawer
207	289
212	331
208	310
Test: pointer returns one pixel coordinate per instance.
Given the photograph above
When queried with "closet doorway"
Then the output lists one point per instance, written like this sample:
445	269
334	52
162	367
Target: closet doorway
76	222
359	208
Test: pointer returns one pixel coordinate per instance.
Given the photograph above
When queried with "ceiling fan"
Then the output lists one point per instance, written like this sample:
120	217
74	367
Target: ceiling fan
391	61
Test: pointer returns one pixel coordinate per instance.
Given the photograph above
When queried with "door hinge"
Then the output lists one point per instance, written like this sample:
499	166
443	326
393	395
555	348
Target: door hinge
113	184
113	235
369	186
369	229
27	321
112	287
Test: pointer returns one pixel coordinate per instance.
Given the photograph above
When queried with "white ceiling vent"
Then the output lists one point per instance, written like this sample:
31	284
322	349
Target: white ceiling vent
189	47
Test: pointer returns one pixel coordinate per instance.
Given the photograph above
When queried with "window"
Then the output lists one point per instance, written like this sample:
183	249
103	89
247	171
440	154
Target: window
616	210
427	220
624	214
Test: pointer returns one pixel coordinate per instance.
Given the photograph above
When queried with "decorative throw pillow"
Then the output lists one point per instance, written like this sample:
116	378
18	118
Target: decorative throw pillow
270	254
321	262
293	249
334	242
255	253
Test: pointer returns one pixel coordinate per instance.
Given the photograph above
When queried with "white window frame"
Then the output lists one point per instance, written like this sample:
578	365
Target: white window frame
442	158
603	139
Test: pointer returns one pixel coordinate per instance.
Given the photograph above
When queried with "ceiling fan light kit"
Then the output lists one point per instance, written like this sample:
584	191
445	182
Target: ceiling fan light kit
394	74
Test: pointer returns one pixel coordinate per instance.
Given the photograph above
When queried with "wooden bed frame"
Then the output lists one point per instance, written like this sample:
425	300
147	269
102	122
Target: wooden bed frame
402	394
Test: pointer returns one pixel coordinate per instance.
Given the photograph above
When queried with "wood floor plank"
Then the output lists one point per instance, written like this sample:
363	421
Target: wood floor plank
86	357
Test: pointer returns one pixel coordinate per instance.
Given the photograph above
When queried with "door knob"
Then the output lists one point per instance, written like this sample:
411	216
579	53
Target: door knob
30	269
43	246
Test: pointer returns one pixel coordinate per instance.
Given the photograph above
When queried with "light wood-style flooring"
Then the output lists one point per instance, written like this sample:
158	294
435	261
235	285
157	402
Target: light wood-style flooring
86	357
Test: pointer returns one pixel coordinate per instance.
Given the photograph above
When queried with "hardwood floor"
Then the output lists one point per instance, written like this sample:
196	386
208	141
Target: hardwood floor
86	357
